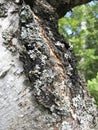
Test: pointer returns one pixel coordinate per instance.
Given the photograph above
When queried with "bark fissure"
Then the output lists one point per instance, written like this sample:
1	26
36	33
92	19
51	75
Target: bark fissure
53	53
52	82
58	88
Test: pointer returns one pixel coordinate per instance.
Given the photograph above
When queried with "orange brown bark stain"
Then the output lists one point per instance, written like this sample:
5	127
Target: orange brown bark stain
58	63
56	128
58	66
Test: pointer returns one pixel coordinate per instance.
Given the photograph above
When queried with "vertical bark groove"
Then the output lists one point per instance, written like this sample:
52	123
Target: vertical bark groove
52	95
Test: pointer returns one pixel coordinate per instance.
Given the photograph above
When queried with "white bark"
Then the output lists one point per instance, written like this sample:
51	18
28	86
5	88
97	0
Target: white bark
19	109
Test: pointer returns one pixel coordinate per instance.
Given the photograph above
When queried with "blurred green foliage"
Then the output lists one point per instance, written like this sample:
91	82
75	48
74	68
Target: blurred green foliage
93	87
80	28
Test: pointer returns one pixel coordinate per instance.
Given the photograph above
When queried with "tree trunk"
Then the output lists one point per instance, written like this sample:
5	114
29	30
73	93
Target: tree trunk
40	88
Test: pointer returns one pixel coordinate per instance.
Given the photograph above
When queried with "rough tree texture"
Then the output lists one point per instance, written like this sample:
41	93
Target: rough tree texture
51	96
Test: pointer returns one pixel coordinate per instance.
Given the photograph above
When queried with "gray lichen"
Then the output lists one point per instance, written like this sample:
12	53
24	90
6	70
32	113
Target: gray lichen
39	67
3	10
50	67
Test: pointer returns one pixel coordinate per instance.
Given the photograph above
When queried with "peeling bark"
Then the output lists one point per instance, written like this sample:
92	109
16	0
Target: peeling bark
50	67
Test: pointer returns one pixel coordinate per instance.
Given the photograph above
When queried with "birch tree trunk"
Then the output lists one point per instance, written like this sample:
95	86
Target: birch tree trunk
40	88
